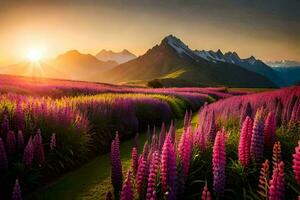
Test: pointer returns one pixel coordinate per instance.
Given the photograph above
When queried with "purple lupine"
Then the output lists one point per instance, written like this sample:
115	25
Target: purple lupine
17	194
172	131
20	139
257	140
247	111
219	162
270	130
53	141
39	154
11	143
127	191
3	156
168	171
151	188
116	165
141	176
4	126
28	153
276	189
185	150
134	160
245	140
19	118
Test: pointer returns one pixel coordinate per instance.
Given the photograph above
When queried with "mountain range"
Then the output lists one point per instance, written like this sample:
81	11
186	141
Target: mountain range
119	57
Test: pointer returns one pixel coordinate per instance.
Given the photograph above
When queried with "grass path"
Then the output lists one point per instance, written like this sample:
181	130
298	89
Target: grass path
92	180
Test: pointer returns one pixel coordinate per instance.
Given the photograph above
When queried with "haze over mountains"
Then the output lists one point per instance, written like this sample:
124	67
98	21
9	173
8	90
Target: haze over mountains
172	63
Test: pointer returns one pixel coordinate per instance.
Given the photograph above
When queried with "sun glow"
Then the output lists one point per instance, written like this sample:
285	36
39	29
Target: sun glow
34	55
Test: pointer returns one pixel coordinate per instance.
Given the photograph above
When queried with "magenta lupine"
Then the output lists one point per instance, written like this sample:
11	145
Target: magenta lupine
141	176
154	166
53	141
270	130
17	194
39	154
205	193
11	143
212	127
127	191
168	171
219	162
134	160
296	163
263	182
116	165
276	189
245	140
3	156
257	139
20	139
276	158
185	150
4	126
172	131
145	150
162	136
28	153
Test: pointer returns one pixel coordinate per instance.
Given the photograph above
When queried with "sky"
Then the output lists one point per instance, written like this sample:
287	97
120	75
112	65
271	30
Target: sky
269	30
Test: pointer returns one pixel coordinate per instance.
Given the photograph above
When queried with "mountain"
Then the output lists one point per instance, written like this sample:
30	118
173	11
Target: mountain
119	57
251	64
283	63
173	60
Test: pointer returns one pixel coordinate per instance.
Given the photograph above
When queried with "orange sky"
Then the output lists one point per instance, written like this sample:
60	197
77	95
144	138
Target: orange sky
56	28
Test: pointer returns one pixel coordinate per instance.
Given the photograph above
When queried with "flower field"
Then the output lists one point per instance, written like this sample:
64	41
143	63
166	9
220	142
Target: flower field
243	147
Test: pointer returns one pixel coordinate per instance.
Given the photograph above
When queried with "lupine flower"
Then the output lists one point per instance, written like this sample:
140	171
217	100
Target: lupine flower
11	143
134	160
263	183
276	158
19	120
146	149
205	193
270	129
28	153
141	176
151	188
17	194
212	128
246	112
168	171
162	136
296	163
219	162
39	154
3	156
127	192
185	150
20	139
53	141
257	139
245	140
116	165
276	190
4	126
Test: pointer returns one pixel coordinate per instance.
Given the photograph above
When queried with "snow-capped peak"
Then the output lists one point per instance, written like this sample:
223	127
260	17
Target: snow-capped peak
178	45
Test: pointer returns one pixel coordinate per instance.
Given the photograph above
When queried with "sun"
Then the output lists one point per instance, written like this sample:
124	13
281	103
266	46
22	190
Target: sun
34	55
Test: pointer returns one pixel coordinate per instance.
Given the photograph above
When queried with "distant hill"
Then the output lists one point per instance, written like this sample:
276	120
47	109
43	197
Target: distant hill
119	57
174	61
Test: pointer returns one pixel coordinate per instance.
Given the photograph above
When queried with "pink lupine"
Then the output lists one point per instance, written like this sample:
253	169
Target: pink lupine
17	194
28	153
3	156
270	130
296	163
141	176
247	111
168	171
245	140
276	158
53	141
39	154
20	139
276	189
134	160
212	128
11	142
205	193
185	150
257	139
116	165
263	182
219	162
154	166
127	191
